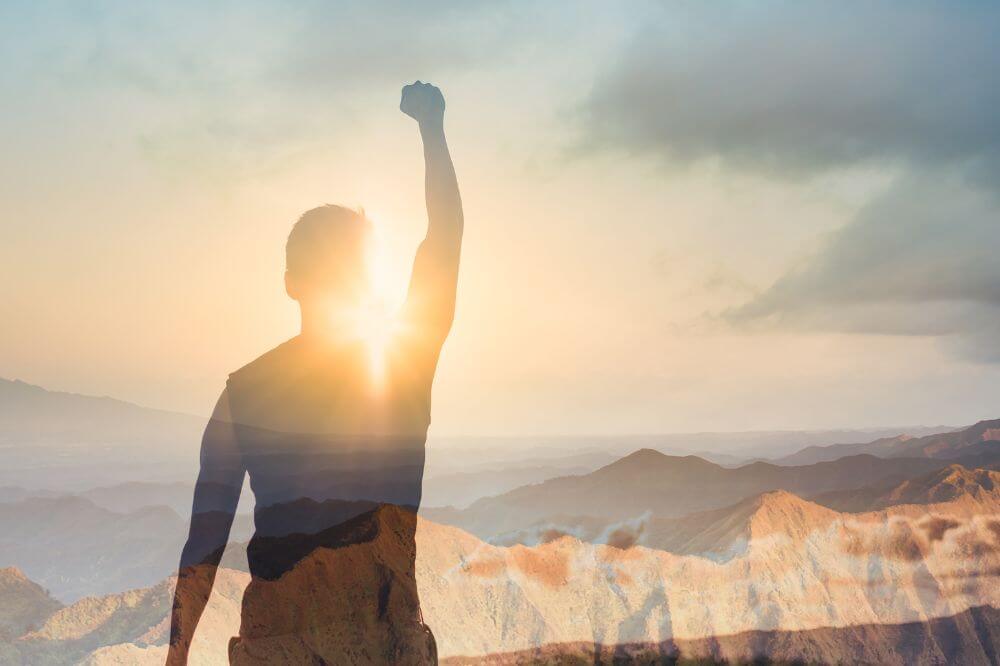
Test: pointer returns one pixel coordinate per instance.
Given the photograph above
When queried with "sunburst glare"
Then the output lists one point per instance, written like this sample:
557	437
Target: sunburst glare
376	322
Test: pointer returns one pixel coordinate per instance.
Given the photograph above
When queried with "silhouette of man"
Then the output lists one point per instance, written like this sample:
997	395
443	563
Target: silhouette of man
331	433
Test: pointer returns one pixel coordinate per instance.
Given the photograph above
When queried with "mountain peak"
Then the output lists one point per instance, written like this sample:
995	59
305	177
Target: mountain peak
953	444
779	511
11	574
25	603
644	457
722	534
778	498
987	431
944	485
783	501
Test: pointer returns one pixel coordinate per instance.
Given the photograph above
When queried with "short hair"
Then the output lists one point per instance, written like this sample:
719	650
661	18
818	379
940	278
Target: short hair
324	234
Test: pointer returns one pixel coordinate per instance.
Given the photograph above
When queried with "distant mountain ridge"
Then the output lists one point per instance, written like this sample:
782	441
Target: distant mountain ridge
65	442
944	485
30	413
960	442
724	533
69	442
667	487
648	481
76	548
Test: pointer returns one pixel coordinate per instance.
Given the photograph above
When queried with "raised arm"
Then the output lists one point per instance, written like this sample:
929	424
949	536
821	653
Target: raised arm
216	496
430	303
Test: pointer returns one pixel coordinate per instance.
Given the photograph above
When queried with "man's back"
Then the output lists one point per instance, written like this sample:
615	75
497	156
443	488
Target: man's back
323	439
335	459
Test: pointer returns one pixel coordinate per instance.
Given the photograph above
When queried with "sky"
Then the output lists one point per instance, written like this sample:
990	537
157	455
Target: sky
680	216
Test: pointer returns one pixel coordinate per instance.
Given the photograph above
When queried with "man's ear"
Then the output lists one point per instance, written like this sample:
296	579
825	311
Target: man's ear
290	287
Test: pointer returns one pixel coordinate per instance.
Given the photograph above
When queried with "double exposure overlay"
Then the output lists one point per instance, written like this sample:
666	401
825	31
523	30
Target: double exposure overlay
502	333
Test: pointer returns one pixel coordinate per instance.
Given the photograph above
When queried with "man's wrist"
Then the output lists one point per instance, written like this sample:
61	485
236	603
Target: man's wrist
432	127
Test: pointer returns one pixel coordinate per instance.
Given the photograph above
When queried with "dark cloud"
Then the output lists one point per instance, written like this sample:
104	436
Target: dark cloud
802	87
625	534
623	538
919	260
229	87
795	89
370	43
552	534
229	47
935	527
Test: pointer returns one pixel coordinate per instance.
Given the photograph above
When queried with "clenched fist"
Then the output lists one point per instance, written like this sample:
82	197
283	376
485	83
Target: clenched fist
424	103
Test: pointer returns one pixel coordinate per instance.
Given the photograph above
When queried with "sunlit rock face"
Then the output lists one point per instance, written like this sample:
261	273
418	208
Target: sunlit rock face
789	566
23	604
774	576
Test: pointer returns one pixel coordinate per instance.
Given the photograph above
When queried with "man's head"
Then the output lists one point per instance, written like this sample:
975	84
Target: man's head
325	257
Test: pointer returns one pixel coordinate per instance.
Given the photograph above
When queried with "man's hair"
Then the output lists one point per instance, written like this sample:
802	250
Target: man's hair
325	234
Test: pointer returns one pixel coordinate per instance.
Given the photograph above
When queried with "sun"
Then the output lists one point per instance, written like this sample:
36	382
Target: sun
376	322
376	325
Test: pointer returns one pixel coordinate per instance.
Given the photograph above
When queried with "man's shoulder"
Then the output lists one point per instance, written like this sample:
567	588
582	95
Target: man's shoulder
268	365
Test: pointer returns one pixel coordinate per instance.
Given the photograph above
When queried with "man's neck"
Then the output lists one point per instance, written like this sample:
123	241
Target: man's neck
328	325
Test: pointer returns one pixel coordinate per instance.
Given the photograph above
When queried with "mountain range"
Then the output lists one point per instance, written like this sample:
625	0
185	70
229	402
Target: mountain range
62	441
884	551
32	414
907	584
65	442
650	483
958	443
76	548
639	498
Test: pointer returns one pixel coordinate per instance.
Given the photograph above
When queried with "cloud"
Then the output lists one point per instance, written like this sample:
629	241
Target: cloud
919	260
393	41
228	47
240	85
625	534
798	88
793	90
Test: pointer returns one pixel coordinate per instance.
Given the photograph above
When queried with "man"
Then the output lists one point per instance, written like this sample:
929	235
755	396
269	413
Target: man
331	432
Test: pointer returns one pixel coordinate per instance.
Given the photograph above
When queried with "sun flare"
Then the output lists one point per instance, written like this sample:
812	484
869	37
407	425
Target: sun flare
377	321
375	326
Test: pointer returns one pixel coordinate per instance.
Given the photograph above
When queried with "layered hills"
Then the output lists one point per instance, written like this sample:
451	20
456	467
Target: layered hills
76	548
67	442
25	604
946	484
884	552
908	583
650	482
982	437
32	414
